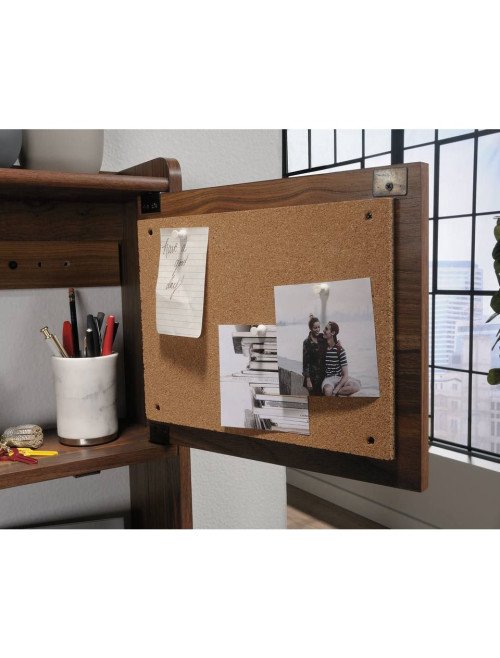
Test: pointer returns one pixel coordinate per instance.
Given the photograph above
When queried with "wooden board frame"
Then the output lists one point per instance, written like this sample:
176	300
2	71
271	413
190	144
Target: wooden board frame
410	468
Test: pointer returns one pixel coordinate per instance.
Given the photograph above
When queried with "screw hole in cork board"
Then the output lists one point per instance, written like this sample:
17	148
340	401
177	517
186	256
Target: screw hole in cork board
370	440
157	407
150	231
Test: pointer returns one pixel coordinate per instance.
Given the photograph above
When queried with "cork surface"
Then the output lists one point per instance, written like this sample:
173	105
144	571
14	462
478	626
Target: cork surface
250	252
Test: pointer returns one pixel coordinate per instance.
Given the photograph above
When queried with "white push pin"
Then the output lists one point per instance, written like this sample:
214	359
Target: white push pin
261	330
182	233
175	234
253	331
319	288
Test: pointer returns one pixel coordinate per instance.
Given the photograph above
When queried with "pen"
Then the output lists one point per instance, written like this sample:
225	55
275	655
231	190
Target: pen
68	339
97	337
95	341
89	339
74	323
107	342
49	341
53	342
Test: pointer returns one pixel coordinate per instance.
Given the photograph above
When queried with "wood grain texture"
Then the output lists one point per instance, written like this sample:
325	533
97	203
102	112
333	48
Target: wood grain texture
53	220
410	468
249	253
23	181
132	447
58	264
159	168
160	493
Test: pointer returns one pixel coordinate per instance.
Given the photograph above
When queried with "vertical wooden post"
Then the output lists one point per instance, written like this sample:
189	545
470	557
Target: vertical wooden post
160	491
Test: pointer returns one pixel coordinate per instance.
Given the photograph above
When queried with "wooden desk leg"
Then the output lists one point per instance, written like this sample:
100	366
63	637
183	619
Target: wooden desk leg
160	493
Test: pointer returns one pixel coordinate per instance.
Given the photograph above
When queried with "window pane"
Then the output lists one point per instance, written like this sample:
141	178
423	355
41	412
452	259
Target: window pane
322	151
451	331
378	161
488	174
444	134
424	154
485	427
450	406
297	146
485	335
430	328
431	246
377	141
455	178
414	137
454	248
430	389
485	241
355	165
348	145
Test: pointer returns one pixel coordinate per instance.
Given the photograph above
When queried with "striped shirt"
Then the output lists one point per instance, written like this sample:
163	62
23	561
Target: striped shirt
334	362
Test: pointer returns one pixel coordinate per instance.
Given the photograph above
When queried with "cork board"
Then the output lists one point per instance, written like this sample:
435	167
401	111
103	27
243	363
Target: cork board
250	252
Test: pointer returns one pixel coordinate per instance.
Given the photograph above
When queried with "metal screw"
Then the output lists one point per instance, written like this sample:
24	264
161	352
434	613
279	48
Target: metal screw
368	215
389	186
12	264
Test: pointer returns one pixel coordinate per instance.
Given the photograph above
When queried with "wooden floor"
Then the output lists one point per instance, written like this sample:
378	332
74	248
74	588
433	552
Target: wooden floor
308	512
297	520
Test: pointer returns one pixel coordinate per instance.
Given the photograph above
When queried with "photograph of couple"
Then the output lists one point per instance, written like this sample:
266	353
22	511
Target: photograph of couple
324	362
330	351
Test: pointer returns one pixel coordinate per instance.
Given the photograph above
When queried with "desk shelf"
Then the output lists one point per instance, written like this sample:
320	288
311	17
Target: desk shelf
29	183
131	447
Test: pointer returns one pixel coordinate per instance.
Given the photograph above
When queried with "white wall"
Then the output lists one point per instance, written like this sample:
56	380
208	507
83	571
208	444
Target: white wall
461	495
227	492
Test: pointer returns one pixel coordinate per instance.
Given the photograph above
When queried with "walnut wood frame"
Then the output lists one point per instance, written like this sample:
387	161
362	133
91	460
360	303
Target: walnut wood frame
410	468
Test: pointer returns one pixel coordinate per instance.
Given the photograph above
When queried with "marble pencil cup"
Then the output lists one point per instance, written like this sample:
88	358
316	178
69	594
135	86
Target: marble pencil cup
86	399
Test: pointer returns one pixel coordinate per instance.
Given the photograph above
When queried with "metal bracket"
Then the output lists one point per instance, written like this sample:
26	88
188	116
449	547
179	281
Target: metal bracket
150	202
390	182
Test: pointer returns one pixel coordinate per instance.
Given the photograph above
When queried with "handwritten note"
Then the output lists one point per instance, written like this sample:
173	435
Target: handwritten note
180	288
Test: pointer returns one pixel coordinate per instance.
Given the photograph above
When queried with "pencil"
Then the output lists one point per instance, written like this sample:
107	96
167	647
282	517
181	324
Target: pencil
74	323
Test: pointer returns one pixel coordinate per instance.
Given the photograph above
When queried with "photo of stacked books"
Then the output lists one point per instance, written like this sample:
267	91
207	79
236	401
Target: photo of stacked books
270	410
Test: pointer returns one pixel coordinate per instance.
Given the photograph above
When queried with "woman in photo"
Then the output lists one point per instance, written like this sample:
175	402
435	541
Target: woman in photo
337	380
312	360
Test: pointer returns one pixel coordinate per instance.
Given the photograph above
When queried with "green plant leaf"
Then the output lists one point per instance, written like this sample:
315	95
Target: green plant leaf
496	231
494	376
495	302
492	317
496	251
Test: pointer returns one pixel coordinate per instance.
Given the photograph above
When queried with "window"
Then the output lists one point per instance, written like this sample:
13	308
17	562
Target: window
464	198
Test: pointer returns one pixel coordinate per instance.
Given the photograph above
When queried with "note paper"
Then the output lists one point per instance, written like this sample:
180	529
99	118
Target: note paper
180	288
